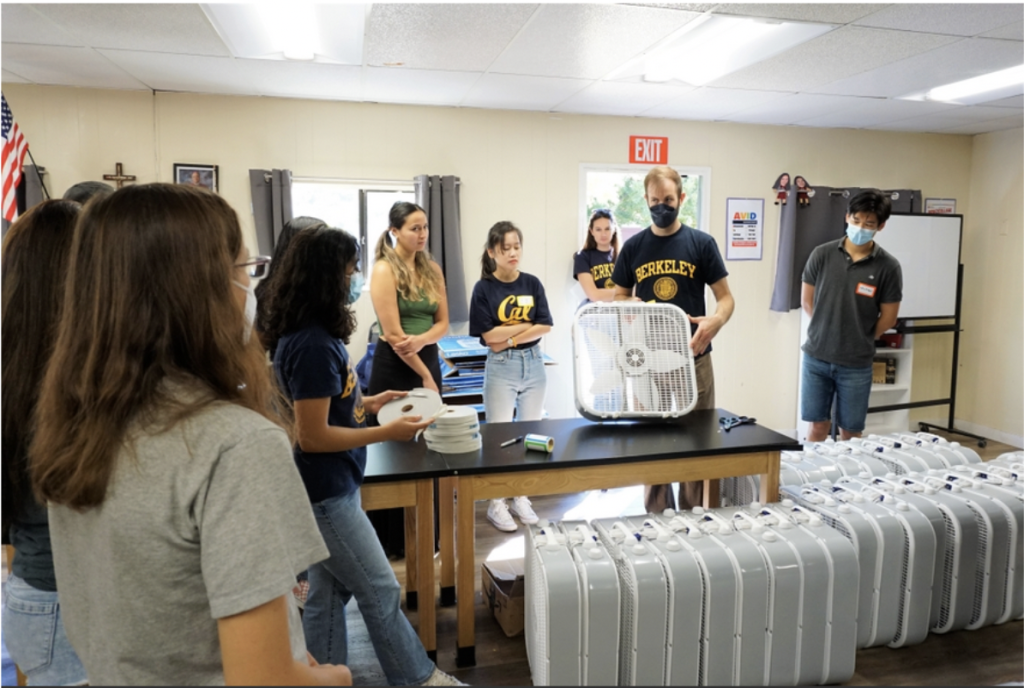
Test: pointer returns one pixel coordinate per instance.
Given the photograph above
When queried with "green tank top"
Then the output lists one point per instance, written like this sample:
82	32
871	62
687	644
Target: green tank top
416	316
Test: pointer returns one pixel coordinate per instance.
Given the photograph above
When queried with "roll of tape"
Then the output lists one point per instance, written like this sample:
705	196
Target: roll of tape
540	443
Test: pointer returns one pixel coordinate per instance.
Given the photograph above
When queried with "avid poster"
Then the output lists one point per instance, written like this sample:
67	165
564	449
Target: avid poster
744	229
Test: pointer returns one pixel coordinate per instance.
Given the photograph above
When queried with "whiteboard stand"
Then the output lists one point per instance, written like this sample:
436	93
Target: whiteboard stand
951	399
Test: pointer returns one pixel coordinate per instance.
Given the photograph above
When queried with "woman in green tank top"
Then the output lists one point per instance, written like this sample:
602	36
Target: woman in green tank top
408	293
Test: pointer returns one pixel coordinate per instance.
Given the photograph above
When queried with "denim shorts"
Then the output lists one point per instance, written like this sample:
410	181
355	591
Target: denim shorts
822	381
34	635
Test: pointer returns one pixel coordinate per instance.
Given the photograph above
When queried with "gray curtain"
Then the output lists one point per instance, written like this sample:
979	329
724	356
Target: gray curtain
271	205
802	228
439	196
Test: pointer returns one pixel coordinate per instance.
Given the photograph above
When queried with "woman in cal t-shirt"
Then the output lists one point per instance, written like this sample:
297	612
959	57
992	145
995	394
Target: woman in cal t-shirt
509	312
592	267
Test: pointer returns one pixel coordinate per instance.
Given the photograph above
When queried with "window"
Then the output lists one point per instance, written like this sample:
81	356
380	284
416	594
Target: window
358	207
620	188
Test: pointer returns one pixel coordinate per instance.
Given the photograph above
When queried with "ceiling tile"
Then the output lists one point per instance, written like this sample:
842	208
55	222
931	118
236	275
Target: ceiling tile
826	13
586	41
791	109
712	103
162	28
1016	102
953	62
1000	124
12	78
865	112
417	86
65	66
22	24
287	79
1013	32
937	121
187	73
444	36
841	53
966	19
513	92
619	98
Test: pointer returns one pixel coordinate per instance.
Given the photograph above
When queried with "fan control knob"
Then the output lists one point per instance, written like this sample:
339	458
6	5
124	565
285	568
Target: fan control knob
769	536
673	546
639	549
595	553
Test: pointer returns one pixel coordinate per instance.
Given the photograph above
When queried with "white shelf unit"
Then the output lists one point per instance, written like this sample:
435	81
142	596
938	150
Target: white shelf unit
881	394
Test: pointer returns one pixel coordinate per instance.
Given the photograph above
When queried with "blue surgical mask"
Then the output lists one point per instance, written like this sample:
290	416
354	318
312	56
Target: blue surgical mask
663	215
355	287
859	235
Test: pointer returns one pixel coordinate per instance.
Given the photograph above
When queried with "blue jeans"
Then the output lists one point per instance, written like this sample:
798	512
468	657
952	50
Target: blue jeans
514	380
357	566
851	387
34	635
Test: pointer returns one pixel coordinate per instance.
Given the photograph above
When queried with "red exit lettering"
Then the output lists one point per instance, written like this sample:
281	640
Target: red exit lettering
648	150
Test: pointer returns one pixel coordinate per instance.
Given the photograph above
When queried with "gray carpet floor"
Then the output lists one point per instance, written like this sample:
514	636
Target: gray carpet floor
362	660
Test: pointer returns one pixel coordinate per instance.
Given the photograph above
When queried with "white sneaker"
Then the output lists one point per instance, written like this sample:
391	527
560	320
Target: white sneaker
497	513
439	678
521	508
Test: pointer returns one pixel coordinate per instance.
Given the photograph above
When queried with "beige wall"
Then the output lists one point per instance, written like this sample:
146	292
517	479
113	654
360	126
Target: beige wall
991	377
525	167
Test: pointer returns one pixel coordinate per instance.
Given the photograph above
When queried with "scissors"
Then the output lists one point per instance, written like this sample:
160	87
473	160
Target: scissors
730	422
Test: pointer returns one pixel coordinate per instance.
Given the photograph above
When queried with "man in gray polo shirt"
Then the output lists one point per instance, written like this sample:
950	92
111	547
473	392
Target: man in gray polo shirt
852	290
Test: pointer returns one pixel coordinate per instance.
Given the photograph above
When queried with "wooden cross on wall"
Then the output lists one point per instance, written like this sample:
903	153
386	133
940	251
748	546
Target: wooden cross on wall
119	177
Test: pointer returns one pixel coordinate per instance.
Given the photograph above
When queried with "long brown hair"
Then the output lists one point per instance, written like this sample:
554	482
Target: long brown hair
591	243
35	260
426	276
310	286
149	300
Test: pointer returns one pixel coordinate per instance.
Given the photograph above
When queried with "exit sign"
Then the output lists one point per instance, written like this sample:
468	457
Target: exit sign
648	150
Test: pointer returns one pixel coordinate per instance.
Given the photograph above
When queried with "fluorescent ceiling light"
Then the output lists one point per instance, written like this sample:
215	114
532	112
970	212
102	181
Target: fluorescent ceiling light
713	45
1001	84
331	33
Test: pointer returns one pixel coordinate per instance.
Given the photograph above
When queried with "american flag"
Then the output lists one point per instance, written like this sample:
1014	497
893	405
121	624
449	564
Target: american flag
15	147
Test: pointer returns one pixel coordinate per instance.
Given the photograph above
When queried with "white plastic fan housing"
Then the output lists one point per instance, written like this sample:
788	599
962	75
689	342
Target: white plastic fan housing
633	360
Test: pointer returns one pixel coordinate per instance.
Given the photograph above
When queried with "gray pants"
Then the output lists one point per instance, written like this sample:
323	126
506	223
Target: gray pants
657	498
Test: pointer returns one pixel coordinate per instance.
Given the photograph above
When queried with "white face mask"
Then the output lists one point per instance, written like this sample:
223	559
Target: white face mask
250	307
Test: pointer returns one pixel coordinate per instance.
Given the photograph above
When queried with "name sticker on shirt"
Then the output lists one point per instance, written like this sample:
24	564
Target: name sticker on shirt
866	289
524	300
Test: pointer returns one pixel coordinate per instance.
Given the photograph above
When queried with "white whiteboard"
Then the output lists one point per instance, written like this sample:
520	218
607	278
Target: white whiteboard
928	249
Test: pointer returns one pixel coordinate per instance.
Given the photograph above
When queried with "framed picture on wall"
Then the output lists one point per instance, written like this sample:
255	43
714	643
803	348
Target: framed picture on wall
196	175
940	206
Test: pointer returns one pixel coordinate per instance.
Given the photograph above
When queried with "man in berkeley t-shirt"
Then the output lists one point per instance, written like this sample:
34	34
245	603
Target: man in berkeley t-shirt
671	263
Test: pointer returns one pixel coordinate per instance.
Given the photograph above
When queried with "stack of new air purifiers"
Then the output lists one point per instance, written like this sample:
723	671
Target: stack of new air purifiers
455	431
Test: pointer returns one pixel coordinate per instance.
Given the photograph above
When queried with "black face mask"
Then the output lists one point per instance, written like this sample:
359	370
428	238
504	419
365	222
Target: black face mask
664	215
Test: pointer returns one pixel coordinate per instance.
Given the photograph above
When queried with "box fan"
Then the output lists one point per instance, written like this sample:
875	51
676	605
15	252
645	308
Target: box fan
632	360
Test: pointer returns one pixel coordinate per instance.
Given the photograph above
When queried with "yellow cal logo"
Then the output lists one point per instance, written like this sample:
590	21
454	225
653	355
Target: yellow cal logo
514	315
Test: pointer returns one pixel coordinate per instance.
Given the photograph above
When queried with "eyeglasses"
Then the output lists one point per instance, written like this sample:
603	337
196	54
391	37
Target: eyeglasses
601	212
257	266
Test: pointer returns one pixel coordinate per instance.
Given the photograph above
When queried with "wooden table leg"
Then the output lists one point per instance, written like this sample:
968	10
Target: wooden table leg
770	480
466	578
712	498
424	547
446	507
411	571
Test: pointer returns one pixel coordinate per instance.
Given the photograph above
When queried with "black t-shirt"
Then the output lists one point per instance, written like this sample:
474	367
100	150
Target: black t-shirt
311	364
673	269
496	303
598	263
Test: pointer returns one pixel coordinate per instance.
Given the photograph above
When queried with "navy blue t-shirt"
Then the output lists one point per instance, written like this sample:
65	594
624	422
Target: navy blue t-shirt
673	269
495	303
311	364
598	263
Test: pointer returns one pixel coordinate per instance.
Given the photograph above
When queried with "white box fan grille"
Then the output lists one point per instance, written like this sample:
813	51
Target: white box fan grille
633	360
